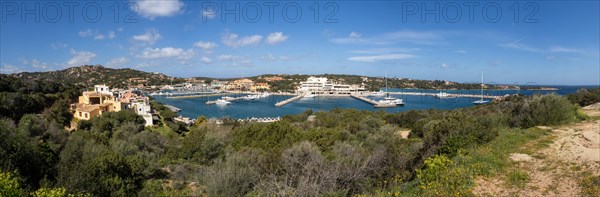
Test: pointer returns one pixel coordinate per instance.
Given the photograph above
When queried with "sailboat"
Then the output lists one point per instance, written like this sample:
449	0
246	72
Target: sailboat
481	101
390	100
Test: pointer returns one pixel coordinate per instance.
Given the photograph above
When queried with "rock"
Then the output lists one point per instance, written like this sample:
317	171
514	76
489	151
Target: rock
519	157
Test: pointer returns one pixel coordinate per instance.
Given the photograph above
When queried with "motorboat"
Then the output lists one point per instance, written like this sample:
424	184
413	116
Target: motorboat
222	102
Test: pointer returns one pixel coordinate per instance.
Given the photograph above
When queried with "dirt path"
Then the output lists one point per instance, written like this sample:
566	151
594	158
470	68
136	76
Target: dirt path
571	157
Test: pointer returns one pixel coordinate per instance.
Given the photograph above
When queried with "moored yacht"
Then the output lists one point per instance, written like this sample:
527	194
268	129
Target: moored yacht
222	102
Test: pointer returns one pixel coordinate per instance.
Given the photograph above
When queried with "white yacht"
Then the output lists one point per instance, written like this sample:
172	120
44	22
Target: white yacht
442	95
388	99
391	100
222	102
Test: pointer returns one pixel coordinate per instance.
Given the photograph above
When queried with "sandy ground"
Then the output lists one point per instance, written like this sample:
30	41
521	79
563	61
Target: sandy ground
557	169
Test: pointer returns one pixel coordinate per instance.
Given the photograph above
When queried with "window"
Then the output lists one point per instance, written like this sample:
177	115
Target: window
86	115
79	114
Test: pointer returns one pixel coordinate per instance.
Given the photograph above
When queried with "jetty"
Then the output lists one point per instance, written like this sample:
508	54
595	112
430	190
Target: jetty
449	95
372	102
282	103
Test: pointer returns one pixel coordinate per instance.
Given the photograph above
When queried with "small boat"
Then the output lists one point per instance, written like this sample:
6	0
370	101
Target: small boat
480	102
222	102
443	95
227	98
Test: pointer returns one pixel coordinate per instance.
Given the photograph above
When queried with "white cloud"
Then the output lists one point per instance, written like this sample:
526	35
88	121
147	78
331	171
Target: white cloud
80	58
276	37
38	64
167	52
461	51
354	35
7	68
519	46
117	62
269	57
231	40
386	50
86	33
58	45
227	57
150	36
158	8
206	46
99	37
206	60
444	65
376	58
403	36
111	34
234	60
564	49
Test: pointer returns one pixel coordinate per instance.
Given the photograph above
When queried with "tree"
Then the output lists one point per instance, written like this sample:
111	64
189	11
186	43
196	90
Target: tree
9	185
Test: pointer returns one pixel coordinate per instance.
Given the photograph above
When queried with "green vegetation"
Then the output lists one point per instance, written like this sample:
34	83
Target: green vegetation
585	97
88	76
342	152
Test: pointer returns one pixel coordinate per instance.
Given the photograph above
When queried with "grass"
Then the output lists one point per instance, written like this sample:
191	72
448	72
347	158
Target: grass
487	160
517	178
590	185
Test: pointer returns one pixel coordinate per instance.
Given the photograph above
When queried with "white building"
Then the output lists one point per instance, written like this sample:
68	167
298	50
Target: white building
142	108
321	85
102	89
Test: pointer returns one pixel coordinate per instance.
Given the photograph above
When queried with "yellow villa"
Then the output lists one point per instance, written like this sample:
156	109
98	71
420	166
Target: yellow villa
260	87
240	84
94	103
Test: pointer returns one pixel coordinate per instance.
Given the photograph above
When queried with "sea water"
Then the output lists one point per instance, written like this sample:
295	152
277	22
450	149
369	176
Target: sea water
265	107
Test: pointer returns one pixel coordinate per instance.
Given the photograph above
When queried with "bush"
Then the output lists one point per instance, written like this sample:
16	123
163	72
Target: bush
585	97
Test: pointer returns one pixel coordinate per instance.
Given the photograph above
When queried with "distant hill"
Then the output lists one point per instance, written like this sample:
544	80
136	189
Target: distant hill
89	75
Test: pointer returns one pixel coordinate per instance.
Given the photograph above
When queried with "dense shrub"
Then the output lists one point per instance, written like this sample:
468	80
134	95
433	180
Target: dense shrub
585	97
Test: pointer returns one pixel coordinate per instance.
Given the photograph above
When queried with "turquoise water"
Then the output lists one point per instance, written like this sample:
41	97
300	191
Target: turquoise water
265	107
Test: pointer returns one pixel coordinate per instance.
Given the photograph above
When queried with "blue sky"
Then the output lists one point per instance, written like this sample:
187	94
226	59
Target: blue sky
551	42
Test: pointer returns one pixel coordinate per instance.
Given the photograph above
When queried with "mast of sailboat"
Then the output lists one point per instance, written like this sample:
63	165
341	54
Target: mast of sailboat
386	87
482	86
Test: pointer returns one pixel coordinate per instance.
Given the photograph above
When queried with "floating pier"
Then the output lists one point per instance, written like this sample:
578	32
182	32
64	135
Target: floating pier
282	103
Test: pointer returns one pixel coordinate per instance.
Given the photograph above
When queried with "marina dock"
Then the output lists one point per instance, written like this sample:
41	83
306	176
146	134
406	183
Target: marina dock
282	103
372	102
449	95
